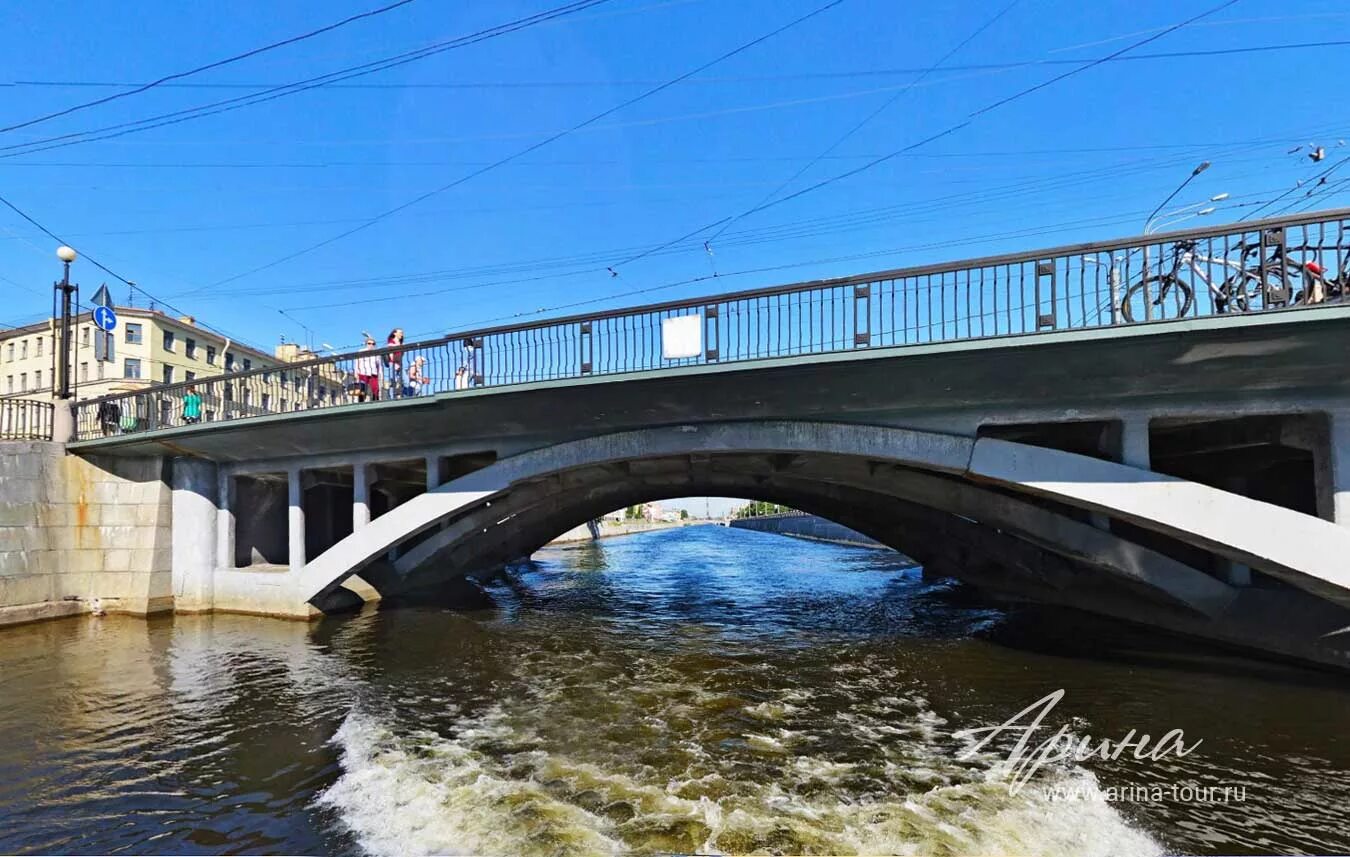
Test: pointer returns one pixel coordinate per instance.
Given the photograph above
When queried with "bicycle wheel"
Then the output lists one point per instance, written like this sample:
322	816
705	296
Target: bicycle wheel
1241	292
1156	298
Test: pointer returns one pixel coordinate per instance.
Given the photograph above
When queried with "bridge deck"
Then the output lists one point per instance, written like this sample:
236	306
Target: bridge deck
1111	369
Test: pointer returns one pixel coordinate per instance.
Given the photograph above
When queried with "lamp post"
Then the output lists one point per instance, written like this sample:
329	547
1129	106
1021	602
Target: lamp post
66	255
1200	168
1186	212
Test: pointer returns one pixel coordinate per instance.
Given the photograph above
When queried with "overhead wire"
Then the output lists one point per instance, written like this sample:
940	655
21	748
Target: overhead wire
940	134
104	268
535	146
882	108
1197	53
227	105
145	87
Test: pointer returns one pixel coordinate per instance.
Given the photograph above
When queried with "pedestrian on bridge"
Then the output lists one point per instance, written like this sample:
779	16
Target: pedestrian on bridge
393	365
367	368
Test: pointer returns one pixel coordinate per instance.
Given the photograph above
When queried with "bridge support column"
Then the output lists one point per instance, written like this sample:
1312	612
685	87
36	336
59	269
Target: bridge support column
1339	459
435	472
224	519
196	493
295	501
360	496
1134	449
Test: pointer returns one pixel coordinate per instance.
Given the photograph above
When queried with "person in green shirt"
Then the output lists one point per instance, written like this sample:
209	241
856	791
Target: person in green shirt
192	406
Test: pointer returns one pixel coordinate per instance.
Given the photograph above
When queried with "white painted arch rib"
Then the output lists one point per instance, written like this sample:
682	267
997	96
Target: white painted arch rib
1298	548
923	450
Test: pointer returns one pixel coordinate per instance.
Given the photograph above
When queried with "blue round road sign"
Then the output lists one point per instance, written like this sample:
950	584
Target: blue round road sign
105	318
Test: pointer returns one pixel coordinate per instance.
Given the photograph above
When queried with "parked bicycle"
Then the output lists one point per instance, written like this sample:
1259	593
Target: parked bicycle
1250	284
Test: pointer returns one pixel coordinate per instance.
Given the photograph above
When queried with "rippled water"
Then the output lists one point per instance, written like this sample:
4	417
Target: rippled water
702	689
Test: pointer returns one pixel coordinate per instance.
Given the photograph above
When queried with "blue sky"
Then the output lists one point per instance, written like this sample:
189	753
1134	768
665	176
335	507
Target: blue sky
183	210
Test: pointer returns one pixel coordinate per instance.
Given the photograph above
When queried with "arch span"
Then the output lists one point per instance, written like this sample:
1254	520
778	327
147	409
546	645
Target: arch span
992	485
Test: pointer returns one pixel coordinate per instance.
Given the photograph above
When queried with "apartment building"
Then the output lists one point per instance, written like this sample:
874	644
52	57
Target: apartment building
149	347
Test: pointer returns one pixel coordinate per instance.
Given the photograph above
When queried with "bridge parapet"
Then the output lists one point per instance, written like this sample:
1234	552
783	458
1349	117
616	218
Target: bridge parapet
1232	270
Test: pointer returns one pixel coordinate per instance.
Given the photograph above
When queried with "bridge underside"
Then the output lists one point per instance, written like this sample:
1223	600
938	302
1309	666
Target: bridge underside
1020	521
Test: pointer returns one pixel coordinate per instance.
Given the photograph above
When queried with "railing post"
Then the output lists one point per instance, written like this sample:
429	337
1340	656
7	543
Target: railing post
63	421
712	335
587	345
1046	269
862	331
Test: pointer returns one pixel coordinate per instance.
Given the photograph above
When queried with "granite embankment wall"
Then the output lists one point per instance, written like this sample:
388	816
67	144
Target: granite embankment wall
583	532
806	527
80	534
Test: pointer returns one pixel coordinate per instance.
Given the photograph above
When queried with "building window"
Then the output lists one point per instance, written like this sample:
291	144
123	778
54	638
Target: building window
9	353
84	372
190	348
23	382
229	361
168	374
266	402
134	334
189	376
297	406
131	368
84	337
246	395
210	416
99	365
267	377
284	402
228	394
37	380
23	350
248	364
168	340
9	384
39	346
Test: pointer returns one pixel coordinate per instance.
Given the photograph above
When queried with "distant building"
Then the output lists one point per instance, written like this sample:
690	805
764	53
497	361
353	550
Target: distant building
149	347
152	349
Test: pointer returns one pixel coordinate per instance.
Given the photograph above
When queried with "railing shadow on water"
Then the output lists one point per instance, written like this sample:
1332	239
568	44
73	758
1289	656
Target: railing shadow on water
1234	269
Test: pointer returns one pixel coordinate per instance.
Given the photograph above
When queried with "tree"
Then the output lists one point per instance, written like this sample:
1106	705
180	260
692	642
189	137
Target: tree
684	514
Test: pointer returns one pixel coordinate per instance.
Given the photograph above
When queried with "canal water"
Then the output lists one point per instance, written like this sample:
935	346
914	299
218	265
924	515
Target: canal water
702	689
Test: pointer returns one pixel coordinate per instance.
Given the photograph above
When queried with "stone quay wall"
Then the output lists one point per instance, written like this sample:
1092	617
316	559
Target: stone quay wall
82	534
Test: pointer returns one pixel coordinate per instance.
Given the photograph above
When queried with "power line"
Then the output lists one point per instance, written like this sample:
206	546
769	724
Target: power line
110	272
217	64
750	79
792	230
869	117
230	104
536	146
939	135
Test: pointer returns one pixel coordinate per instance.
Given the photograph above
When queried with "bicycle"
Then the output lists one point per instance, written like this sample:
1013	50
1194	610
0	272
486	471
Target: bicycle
1166	296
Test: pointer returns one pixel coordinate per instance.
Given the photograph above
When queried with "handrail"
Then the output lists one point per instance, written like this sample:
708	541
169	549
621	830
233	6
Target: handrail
1070	286
25	419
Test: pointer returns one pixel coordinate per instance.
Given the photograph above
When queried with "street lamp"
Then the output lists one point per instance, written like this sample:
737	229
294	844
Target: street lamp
1185	212
1200	168
66	255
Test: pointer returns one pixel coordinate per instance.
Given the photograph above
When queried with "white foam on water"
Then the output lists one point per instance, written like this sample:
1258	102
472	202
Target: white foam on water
421	793
443	798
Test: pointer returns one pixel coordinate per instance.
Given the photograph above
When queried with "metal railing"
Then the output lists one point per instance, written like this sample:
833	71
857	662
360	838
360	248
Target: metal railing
25	419
1237	268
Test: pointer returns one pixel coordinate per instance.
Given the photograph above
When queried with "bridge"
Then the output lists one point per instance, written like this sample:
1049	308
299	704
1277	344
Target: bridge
1155	429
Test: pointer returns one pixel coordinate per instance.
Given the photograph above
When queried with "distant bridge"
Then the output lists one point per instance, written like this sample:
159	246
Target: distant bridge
999	419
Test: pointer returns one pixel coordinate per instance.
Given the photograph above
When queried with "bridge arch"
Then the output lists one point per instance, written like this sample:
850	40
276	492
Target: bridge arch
988	497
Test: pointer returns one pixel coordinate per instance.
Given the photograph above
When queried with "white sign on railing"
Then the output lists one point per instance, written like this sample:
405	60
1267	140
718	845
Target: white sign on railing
682	336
